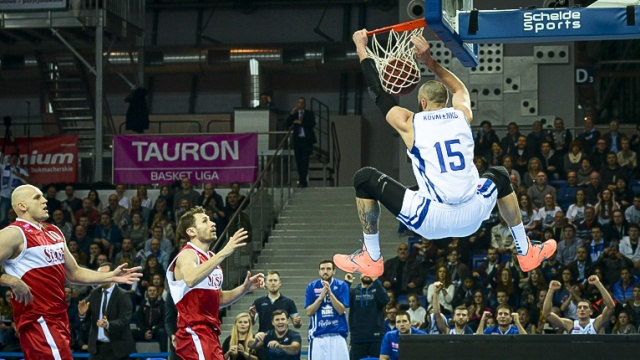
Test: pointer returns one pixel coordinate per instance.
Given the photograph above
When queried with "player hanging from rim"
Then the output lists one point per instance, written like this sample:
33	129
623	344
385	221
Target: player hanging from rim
452	200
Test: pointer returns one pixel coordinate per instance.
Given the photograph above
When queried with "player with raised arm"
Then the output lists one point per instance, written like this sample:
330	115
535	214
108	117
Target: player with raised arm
452	200
37	262
584	324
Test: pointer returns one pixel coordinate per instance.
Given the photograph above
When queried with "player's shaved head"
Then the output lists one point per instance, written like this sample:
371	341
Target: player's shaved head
435	92
22	193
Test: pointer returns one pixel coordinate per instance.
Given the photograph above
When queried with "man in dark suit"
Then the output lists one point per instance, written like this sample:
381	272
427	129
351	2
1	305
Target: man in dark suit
303	122
582	267
108	310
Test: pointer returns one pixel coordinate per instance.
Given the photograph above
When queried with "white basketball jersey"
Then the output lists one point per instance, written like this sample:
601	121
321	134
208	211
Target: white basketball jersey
442	156
588	329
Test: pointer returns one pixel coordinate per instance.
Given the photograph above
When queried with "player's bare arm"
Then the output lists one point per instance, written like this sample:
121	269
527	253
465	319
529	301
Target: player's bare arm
460	95
11	245
608	301
553	319
251	283
78	275
187	267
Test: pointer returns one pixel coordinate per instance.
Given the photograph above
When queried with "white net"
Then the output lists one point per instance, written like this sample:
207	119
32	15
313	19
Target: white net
395	63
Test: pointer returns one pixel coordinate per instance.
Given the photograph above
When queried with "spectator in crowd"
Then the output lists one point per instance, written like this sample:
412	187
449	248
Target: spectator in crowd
108	234
540	189
240	345
183	206
445	296
210	196
434	321
477	308
463	294
547	212
108	311
535	138
120	216
127	252
575	212
416	311
599	156
623	193
504	317
627	157
529	215
582	267
242	220
94	260
507	162
623	288
533	168
457	269
302	122
589	136
508	143
279	343
71	204
521	154
265	101
53	204
95	200
502	238
632	214
151	267
532	285
629	245
594	188
485	138
460	322
611	171
263	307
612	261
584	172
168	231
187	193
425	253
584	324
625	324
605	206
502	298
560	137
366	321
390	312
73	246
552	161
567	192
616	229
166	245
138	231
584	227
150	319
13	176
613	138
401	274
167	196
141	192
481	164
160	208
123	200
90	212
495	157
136	207
487	270
633	305
328	329
391	340
559	221
568	246
572	160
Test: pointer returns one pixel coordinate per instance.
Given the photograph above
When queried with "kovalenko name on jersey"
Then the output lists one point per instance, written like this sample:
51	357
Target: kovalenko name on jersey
440	116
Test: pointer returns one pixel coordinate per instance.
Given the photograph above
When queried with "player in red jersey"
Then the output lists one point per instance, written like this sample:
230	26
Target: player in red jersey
195	279
37	262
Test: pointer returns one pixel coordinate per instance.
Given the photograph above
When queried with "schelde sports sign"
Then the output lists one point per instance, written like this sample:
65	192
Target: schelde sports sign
142	159
50	159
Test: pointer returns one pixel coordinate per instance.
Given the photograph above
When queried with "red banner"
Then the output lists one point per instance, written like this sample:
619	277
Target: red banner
51	159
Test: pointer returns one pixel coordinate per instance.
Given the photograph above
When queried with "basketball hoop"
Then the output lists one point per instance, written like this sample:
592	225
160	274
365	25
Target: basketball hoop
398	71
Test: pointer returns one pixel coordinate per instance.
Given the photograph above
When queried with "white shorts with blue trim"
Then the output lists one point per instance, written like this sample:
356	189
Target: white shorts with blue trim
434	220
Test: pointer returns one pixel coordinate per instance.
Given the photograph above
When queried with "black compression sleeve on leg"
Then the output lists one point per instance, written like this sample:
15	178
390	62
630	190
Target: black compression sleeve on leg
372	184
383	99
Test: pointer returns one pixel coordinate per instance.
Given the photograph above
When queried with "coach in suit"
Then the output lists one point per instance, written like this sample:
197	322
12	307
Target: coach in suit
108	310
303	122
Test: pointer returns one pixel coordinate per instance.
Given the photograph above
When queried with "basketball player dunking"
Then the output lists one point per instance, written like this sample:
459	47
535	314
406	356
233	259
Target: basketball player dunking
37	261
452	200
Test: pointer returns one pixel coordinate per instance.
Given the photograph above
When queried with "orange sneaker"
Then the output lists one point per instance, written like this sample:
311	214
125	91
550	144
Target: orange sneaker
360	262
538	252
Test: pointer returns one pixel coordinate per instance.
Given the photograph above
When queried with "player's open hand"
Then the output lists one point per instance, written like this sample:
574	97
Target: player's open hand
121	275
421	49
83	307
236	241
254	282
21	292
555	285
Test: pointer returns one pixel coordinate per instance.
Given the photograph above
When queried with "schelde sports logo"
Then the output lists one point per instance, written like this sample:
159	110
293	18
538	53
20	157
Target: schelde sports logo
551	21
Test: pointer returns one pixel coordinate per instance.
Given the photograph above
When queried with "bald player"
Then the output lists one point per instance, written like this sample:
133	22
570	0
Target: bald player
37	262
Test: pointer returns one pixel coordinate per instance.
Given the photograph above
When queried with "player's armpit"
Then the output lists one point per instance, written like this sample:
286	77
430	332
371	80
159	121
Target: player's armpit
400	119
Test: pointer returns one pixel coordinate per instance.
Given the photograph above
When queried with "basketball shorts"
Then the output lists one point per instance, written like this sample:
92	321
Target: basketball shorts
46	339
434	220
198	342
331	346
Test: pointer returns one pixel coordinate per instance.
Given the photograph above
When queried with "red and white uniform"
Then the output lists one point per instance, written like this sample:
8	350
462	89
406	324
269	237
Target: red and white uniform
198	308
43	325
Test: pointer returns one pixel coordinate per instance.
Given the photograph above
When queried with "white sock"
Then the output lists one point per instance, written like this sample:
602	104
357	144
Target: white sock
372	243
520	238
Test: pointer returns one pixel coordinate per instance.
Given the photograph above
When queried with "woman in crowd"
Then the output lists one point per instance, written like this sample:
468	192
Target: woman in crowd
507	162
531	286
575	213
445	297
481	164
605	206
168	230
151	267
142	194
530	219
573	159
236	345
477	308
416	312
507	284
166	195
624	325
584	172
533	168
95	200
138	232
495	157
548	211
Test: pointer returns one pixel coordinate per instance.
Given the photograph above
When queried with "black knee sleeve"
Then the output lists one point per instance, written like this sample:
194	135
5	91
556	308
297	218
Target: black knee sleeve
372	184
500	176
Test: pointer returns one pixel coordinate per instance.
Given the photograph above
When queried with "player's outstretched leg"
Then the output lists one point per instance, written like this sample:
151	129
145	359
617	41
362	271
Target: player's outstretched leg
530	254
371	185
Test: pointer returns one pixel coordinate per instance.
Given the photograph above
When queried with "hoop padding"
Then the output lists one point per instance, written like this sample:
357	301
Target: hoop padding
392	60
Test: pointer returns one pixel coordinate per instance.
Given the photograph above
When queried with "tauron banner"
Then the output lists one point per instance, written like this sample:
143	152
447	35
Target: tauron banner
47	159
146	159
